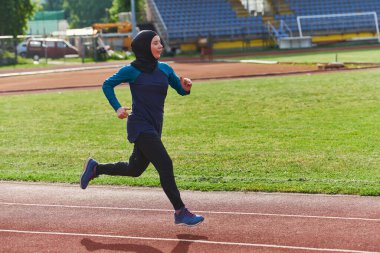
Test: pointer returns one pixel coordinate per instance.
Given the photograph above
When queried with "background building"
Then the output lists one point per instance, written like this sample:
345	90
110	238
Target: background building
46	22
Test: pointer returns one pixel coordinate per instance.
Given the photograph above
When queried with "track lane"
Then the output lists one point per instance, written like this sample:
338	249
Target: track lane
143	217
90	78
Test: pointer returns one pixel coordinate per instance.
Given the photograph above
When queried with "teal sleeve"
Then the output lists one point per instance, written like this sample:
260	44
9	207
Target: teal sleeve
126	74
174	81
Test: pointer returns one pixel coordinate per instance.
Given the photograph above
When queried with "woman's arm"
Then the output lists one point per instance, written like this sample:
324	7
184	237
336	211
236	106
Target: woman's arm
181	85
186	83
124	75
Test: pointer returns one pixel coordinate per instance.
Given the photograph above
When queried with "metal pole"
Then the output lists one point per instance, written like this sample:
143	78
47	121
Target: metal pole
377	26
299	26
133	10
46	51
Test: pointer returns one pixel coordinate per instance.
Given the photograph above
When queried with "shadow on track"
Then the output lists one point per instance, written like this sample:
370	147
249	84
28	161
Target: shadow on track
182	246
94	246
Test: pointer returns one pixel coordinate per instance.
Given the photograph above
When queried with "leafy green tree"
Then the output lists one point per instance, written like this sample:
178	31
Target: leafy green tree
83	13
117	7
14	15
124	6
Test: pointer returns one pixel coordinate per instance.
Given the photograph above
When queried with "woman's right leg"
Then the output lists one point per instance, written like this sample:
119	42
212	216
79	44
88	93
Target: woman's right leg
135	167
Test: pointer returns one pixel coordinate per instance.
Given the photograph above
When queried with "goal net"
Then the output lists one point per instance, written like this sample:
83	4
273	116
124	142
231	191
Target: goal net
362	22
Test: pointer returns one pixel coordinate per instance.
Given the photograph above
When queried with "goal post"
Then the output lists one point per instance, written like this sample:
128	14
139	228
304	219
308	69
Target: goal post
335	17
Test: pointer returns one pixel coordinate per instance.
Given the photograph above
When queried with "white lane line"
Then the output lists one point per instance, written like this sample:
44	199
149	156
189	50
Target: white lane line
198	211
257	245
49	71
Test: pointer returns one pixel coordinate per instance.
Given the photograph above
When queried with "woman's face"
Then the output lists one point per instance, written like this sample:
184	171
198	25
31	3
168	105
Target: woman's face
156	47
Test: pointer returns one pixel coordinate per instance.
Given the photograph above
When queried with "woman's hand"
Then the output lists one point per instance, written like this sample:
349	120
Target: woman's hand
186	83
122	112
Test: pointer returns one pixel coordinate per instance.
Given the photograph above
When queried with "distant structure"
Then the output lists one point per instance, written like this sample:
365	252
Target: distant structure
46	22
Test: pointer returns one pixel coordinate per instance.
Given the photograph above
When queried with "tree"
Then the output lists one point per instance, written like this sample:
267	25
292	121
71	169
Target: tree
117	7
83	13
14	15
124	6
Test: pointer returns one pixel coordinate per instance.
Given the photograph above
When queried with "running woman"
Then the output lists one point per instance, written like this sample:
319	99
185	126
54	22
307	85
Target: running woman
148	80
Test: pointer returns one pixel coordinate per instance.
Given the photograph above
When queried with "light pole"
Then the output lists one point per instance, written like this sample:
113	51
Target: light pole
133	10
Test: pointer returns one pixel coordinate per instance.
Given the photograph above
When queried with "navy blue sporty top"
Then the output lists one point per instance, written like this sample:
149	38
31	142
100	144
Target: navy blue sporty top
148	91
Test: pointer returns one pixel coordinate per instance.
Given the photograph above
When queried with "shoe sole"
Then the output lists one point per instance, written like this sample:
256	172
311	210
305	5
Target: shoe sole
184	224
84	170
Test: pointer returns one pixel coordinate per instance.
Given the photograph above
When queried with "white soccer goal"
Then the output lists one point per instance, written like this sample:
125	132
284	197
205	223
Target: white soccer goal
346	22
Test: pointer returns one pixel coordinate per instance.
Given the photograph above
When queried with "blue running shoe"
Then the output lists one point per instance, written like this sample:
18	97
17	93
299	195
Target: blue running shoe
185	217
89	172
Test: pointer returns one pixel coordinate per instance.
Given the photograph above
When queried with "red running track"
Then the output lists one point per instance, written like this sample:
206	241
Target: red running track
63	218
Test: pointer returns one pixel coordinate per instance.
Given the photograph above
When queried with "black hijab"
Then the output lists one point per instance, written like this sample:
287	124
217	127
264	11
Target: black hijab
145	61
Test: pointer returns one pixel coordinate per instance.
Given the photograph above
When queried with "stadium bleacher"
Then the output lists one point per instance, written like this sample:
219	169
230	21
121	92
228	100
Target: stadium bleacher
187	20
197	18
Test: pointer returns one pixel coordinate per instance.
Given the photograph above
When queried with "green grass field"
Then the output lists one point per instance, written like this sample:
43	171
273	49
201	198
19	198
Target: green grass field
307	133
357	56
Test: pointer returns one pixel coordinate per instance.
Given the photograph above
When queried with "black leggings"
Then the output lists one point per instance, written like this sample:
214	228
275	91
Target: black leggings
148	148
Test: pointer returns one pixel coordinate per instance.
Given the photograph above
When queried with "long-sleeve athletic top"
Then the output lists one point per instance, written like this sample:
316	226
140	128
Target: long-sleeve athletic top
148	91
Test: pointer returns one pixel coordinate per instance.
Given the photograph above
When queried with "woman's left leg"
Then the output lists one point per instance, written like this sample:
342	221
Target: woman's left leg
153	149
